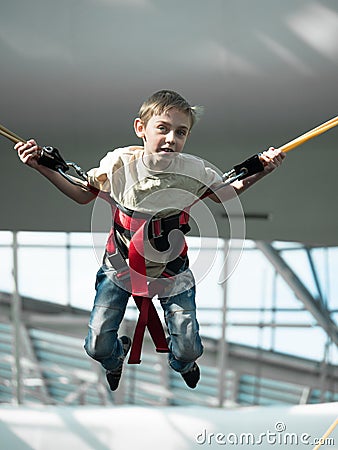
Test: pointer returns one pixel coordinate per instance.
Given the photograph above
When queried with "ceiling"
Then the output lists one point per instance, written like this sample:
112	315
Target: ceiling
73	75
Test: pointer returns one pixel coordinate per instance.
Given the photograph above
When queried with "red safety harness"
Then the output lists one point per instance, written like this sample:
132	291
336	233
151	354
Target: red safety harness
137	228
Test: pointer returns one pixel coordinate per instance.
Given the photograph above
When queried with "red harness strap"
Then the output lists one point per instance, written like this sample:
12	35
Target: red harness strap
148	316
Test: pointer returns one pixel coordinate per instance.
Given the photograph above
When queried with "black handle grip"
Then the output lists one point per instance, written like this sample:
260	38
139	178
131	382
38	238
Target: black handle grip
50	157
249	167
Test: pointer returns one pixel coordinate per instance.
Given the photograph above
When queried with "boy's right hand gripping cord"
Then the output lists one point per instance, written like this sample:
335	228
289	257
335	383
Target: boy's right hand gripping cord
247	168
50	157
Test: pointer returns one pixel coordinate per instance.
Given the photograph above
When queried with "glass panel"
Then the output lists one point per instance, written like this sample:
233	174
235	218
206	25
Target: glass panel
6	238
280	245
252	281
333	279
83	268
243	335
285	298
295	317
41	238
6	267
81	239
42	273
303	342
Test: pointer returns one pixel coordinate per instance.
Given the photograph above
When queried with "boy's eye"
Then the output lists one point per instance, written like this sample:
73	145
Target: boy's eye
181	132
161	128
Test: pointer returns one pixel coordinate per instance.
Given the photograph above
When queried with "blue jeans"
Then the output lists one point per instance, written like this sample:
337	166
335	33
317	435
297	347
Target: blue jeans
103	345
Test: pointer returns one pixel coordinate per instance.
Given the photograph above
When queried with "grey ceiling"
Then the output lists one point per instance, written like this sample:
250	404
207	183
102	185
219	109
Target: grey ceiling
73	75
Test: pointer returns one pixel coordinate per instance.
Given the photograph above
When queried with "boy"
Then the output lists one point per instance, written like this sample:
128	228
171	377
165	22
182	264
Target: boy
155	182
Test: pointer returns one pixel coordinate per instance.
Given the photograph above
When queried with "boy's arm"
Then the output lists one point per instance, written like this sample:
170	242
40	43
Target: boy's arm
271	159
29	154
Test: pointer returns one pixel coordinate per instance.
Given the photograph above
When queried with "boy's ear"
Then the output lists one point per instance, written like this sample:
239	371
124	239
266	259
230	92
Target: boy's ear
139	128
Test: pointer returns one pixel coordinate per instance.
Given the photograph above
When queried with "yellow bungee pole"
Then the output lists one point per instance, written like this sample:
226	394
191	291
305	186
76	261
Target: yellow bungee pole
10	135
326	435
309	135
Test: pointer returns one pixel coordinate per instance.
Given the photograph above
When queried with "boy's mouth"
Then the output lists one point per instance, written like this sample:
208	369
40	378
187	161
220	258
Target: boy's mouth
167	150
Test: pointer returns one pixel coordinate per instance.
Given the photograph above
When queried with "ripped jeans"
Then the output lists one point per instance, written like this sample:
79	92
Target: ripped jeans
102	343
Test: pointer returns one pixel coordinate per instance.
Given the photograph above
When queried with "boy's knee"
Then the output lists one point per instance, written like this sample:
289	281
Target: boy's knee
91	349
98	347
186	351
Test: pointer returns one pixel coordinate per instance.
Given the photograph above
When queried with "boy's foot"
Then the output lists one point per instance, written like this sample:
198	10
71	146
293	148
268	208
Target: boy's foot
192	376
113	376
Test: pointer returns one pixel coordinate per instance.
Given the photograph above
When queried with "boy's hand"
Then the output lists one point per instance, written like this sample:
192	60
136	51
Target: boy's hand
271	159
28	152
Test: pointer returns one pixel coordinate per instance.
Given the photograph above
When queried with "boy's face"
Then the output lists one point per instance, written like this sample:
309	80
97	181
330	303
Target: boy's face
164	135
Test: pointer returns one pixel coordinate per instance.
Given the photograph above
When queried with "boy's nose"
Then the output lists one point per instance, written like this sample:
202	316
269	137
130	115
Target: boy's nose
170	137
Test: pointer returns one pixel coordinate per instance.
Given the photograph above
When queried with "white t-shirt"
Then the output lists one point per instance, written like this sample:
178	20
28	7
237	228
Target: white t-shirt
130	183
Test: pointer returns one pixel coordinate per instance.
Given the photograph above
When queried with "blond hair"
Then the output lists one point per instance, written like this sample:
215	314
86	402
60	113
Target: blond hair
161	101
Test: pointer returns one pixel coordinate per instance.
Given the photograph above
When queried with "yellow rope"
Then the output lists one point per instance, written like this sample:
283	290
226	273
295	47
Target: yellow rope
326	434
10	135
310	134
